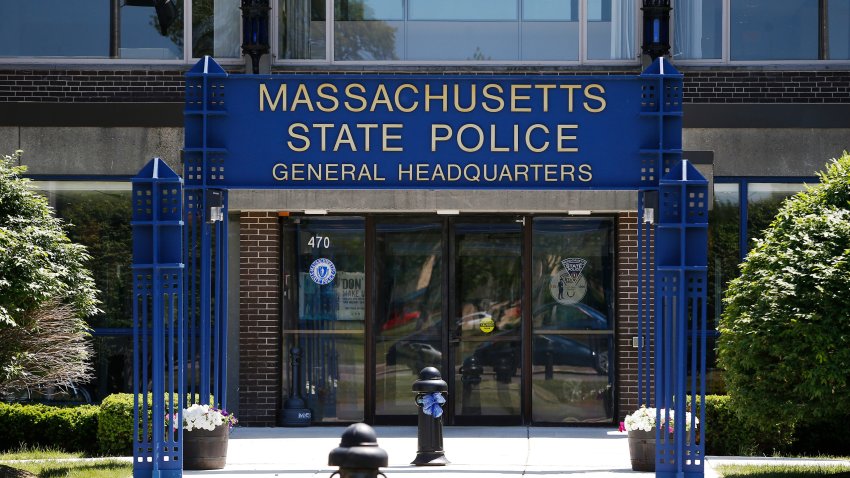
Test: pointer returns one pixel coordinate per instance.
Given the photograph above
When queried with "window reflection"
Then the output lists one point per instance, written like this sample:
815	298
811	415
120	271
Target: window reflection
98	217
611	29
774	30
302	26
763	202
697	29
465	30
83	28
215	28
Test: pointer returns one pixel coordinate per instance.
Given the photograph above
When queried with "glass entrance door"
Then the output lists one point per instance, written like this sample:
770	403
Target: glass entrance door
486	332
572	342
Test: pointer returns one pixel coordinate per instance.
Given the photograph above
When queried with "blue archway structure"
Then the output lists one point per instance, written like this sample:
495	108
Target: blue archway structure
404	132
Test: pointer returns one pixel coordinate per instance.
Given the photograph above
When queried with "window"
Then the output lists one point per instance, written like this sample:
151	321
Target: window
125	30
761	30
459	30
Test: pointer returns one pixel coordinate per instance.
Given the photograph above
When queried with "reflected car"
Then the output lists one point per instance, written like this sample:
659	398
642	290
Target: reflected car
64	394
548	350
414	355
554	315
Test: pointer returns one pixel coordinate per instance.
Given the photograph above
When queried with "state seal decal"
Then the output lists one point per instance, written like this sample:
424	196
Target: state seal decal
568	286
322	271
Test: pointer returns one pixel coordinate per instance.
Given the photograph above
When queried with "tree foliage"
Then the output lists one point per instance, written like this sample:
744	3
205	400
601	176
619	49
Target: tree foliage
785	331
41	272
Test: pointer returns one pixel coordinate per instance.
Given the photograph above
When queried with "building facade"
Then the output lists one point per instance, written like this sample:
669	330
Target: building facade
473	281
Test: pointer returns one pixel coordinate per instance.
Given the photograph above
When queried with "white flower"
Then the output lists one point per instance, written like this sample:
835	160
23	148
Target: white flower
202	417
644	419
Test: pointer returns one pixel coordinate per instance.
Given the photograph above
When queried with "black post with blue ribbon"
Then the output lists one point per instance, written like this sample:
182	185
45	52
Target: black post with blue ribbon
430	392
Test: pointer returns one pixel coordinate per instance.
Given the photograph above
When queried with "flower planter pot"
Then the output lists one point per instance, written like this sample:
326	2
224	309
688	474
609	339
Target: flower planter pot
205	449
642	450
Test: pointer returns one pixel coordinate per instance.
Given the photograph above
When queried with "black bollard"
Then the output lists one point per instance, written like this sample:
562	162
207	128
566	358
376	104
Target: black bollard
358	454
295	412
430	429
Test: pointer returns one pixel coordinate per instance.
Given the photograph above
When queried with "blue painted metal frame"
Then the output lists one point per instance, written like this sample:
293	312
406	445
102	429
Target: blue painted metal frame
158	332
671	296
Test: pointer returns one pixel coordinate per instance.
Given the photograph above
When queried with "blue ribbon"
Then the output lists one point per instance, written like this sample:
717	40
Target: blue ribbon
431	404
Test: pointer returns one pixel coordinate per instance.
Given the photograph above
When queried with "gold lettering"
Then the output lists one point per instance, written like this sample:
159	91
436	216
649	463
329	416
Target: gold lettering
528	144
562	137
297	170
331	172
498	99
435	138
550	173
412	107
523	173
281	96
366	127
585	173
567	170
471	100
323	127
516	97
545	89
295	135
506	173
444	97
351	95
570	94
345	132
279	172
405	172
387	137
348	170
302	96
438	173
600	99
364	172
314	172
462	146
421	172
320	91
493	147
381	97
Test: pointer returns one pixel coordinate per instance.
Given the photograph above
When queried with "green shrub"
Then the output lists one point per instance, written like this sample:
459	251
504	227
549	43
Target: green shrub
785	332
725	433
115	426
72	429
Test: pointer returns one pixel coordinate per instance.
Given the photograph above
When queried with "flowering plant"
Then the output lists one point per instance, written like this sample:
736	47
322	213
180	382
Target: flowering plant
205	417
644	419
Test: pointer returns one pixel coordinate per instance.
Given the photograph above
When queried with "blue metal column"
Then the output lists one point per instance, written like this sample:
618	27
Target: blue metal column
206	234
681	279
158	357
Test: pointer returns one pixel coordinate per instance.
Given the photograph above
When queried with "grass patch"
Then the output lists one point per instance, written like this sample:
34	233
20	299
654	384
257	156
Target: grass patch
783	471
77	469
37	453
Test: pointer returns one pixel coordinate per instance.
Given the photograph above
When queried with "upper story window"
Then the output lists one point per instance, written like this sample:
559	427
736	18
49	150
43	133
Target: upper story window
119	29
458	30
761	30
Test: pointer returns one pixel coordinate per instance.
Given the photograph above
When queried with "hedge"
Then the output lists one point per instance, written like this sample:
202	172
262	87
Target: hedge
115	427
72	429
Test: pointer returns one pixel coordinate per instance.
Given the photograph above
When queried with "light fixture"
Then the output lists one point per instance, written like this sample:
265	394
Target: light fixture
656	28
579	212
315	212
255	30
448	212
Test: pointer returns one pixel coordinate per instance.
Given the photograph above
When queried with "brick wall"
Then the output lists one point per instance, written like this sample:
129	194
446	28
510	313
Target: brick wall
92	86
259	319
767	87
627	312
167	85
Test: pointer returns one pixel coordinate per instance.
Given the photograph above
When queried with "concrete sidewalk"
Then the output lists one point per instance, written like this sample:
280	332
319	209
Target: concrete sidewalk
473	452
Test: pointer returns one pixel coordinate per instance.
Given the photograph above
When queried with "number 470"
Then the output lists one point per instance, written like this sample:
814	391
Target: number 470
319	242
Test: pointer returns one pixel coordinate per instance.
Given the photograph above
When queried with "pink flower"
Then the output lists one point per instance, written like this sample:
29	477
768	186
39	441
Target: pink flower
622	426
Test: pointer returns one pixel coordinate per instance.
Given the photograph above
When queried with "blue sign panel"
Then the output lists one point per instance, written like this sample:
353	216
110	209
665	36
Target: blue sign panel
436	132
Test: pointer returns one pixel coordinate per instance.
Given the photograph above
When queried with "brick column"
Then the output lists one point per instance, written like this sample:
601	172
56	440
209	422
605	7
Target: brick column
627	311
259	319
